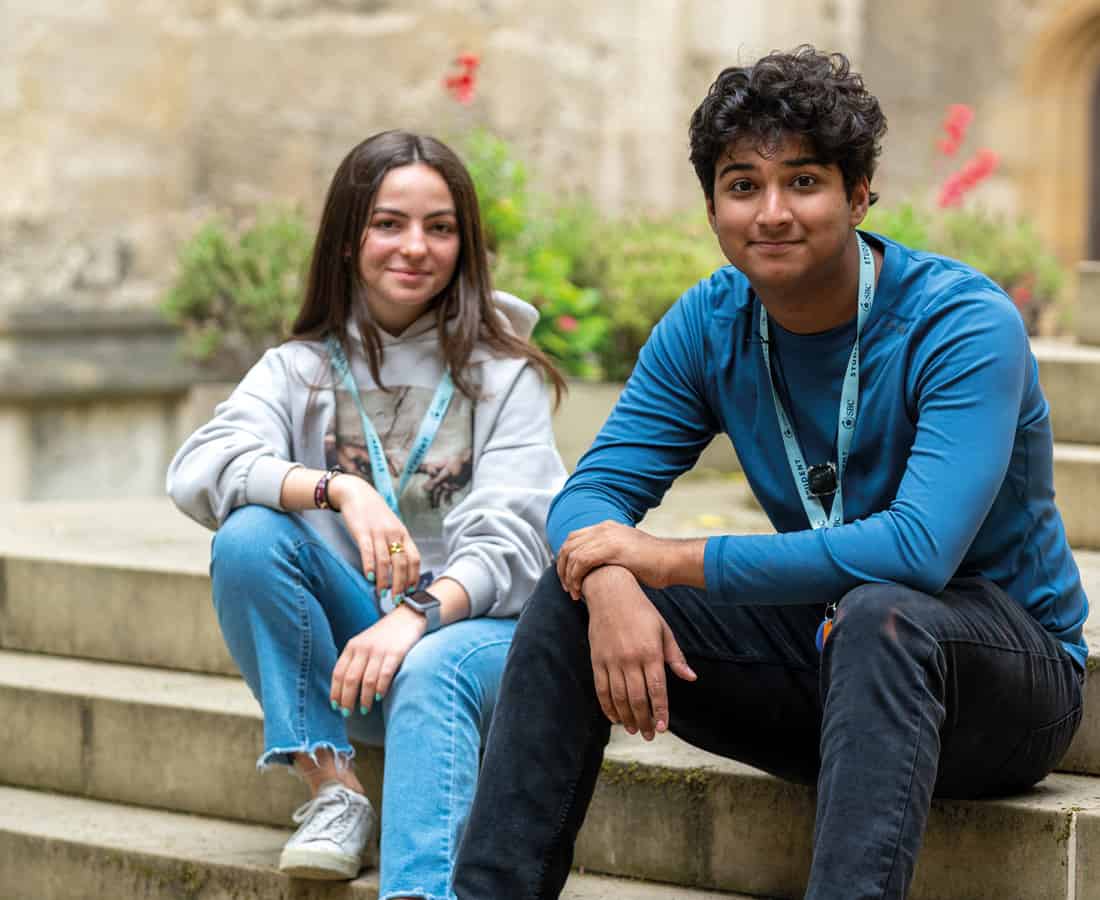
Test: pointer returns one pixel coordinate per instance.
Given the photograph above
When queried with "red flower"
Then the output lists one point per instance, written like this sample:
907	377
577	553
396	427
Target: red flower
955	123
463	85
983	164
568	324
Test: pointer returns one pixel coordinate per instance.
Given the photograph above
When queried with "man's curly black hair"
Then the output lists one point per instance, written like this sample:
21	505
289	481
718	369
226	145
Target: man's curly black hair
804	93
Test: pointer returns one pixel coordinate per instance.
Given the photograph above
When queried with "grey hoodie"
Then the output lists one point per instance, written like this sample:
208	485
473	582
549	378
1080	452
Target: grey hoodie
492	538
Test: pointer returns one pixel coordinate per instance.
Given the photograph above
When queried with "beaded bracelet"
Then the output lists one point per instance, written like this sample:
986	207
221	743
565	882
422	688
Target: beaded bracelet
320	493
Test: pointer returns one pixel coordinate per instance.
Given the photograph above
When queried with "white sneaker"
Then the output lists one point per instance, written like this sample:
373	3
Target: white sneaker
335	827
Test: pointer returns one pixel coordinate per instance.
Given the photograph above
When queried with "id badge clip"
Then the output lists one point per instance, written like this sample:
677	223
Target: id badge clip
826	627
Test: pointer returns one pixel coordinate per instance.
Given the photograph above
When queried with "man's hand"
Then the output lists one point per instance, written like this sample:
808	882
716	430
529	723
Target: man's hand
654	561
631	643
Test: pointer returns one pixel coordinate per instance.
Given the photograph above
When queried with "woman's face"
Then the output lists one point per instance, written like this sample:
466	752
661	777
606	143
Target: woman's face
409	249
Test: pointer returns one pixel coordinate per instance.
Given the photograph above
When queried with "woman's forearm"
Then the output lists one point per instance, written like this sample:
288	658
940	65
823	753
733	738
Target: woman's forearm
300	483
454	602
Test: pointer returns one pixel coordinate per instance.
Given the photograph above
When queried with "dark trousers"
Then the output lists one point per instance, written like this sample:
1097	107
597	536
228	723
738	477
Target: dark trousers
958	695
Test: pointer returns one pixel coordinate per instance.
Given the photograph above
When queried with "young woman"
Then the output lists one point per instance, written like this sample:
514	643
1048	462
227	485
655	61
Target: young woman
379	485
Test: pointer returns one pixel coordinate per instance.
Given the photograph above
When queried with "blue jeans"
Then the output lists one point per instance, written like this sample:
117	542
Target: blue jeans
287	605
958	695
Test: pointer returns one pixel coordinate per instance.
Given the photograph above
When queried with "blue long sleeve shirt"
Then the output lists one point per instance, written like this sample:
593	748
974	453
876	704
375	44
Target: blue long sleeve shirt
951	468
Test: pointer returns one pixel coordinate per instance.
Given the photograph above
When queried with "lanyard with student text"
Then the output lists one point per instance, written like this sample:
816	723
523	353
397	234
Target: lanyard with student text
849	405
380	470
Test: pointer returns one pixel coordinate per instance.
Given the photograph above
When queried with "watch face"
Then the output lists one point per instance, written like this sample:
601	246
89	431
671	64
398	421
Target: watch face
422	598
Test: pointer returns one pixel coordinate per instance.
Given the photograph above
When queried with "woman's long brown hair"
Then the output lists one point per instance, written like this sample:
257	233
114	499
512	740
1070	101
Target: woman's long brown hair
464	309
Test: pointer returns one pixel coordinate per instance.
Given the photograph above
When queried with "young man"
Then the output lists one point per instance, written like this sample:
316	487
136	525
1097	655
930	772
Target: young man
886	408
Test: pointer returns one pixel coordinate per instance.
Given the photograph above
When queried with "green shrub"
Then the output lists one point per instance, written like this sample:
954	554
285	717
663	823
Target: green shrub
906	224
239	289
501	182
646	264
541	252
1007	250
599	284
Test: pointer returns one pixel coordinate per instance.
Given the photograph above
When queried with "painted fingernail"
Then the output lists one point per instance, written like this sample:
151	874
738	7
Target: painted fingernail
335	706
363	710
399	599
377	698
345	712
370	577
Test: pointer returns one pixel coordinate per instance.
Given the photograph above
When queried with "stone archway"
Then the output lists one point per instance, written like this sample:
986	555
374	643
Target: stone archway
1058	175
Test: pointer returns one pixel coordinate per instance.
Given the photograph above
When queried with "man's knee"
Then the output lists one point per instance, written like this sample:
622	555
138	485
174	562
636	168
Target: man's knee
551	623
550	605
877	612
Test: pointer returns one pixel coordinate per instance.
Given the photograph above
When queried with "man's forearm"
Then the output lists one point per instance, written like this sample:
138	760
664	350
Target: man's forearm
685	563
675	561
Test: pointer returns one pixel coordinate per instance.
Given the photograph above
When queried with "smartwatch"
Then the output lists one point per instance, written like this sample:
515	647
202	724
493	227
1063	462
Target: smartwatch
427	604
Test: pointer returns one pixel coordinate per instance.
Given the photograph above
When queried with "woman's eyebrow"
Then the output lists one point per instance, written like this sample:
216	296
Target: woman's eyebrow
393	211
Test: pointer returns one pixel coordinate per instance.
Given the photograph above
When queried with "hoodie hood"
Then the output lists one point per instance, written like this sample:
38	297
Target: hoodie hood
520	315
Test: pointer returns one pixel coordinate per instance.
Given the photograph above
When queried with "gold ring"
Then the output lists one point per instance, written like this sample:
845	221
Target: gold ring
396	547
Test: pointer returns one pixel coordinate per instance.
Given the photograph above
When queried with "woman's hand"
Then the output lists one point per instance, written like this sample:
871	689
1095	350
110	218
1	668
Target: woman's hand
374	527
369	661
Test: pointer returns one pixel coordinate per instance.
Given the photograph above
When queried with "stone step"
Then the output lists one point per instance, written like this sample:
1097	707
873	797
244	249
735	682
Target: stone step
1077	488
1083	755
663	811
665	807
152	737
69	848
136	590
1070	375
128	581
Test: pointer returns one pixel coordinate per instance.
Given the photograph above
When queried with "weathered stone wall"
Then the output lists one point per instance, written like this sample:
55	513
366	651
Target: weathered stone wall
1019	64
123	122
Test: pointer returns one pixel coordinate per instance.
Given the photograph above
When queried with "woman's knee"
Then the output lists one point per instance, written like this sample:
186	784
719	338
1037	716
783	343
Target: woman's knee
248	538
460	664
251	552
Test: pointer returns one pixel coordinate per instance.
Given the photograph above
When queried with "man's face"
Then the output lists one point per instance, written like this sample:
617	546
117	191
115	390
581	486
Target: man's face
783	219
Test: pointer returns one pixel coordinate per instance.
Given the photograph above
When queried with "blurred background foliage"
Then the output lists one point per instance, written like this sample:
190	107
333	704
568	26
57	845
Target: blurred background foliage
600	282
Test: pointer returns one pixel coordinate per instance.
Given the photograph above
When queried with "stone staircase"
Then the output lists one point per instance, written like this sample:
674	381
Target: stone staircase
128	764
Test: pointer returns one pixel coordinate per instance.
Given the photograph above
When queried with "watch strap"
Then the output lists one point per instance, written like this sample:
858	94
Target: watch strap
426	603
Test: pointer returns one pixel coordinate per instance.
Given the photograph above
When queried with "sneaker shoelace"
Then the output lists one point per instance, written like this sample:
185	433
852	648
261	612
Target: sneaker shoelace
341	820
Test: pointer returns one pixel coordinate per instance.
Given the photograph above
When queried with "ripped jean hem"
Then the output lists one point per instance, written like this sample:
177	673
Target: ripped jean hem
284	756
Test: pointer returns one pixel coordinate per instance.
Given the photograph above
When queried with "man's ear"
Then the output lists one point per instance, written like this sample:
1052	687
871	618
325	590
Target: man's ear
860	201
710	215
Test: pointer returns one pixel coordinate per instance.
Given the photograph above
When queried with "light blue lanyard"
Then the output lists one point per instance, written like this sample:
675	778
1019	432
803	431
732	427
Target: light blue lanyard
849	404
380	469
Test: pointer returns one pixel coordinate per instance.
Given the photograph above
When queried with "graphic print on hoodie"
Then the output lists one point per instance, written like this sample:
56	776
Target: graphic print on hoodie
440	482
